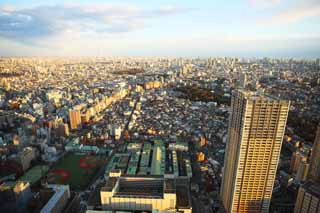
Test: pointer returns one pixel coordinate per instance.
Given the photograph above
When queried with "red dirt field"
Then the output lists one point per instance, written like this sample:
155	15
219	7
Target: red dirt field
59	175
87	163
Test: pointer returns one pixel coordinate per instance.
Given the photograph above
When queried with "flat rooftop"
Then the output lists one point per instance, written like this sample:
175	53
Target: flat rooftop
253	95
137	187
140	186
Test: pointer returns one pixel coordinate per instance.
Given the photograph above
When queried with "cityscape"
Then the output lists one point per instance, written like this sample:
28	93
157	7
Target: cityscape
91	128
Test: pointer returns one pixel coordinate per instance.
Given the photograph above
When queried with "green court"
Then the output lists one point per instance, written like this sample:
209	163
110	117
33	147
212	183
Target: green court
75	170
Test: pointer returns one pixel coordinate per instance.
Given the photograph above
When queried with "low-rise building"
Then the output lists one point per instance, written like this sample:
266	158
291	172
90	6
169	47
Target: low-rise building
58	200
143	193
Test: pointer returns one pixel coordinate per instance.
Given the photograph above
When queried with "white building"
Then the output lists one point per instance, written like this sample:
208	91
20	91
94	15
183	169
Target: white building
143	193
59	199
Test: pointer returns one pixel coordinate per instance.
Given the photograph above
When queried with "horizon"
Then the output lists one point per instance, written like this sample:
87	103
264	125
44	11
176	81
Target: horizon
308	58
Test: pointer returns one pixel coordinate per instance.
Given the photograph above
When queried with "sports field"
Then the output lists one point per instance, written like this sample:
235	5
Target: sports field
75	170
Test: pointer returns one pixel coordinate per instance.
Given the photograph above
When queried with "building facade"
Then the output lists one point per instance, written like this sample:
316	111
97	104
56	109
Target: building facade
256	128
308	199
59	199
75	119
314	172
296	159
26	156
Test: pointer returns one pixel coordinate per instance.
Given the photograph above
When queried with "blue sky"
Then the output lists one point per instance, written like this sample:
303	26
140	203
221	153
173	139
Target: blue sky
277	28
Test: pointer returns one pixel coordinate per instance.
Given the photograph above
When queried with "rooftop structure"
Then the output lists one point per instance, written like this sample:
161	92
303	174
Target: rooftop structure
143	193
150	158
158	159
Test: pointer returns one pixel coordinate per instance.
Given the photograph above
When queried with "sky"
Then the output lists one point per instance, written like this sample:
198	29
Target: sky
182	28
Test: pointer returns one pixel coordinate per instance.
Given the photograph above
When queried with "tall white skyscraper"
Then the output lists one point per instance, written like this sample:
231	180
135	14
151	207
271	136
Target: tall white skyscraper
256	128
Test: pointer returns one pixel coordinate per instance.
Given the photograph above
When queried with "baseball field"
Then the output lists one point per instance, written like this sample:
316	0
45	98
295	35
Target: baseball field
75	170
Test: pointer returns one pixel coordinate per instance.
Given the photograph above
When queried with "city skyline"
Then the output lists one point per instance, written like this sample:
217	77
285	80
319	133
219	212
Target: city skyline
248	28
160	106
201	135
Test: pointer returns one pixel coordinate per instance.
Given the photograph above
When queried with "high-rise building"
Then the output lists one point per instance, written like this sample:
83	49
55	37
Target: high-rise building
314	170
296	159
308	199
302	172
75	119
243	80
256	128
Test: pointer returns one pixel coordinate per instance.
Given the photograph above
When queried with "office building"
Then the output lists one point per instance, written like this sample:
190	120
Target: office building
256	128
302	172
26	156
308	199
75	119
296	159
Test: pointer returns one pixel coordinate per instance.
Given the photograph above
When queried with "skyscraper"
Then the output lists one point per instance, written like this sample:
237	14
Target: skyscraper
308	199
256	128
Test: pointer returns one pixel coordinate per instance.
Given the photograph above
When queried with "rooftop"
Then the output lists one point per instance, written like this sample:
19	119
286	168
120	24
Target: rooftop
312	188
142	186
254	95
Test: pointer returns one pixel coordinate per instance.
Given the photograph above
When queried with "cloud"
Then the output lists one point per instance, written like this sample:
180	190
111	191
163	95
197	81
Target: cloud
295	11
7	8
44	21
295	15
263	4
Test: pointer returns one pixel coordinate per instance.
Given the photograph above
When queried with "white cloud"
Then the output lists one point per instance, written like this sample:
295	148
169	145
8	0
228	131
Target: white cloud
44	21
295	15
263	4
293	11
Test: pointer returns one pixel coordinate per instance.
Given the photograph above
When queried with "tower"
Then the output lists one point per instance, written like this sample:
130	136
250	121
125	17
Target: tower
256	128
